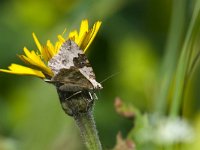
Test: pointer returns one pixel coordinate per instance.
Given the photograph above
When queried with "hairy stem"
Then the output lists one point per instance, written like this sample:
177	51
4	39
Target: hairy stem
79	105
86	124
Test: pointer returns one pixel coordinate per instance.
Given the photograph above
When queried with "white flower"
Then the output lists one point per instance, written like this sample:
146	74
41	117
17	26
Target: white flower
172	131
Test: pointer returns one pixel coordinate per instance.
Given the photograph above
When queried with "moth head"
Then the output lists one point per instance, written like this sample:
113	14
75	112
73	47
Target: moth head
98	86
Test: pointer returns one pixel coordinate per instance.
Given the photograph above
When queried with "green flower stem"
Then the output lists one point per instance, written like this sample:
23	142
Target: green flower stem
86	124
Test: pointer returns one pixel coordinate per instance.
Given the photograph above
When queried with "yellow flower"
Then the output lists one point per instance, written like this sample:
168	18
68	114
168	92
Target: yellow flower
37	60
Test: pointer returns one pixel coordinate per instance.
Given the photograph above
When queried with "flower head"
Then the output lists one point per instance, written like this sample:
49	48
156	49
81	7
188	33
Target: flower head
37	60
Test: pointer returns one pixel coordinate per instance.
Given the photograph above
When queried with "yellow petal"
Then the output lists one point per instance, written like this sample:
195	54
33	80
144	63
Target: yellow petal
48	52
61	39
57	46
83	32
21	70
82	40
33	59
37	42
95	29
83	28
44	68
40	48
74	36
51	49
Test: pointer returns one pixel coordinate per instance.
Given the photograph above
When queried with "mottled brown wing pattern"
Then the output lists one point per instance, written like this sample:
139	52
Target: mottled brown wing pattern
72	69
72	80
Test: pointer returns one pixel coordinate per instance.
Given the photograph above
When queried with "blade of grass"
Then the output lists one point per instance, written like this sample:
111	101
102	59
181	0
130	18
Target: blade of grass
193	64
195	55
183	63
172	47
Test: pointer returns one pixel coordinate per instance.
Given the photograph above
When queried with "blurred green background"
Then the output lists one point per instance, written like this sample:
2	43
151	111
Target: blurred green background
131	42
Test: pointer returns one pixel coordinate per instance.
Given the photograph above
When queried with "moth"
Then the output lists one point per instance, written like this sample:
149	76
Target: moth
73	74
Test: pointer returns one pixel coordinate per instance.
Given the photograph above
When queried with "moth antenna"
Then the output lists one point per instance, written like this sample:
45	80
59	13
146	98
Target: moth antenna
109	77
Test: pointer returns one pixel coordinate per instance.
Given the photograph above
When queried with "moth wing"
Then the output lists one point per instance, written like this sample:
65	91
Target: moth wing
70	55
64	58
83	64
72	80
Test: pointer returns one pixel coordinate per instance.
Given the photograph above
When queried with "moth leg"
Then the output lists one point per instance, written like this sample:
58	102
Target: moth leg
95	96
73	95
90	96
